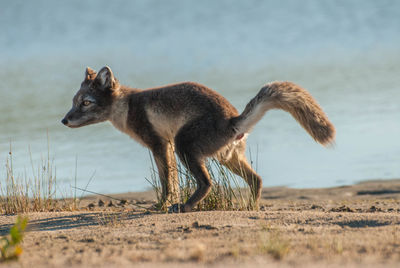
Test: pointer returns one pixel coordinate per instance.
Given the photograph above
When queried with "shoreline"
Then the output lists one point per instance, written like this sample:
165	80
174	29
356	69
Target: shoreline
148	189
378	188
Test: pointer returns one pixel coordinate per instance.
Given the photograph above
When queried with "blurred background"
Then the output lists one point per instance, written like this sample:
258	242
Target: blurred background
346	53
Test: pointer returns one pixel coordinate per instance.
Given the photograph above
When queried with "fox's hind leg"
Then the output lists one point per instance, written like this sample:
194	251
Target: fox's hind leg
164	157
200	173
191	147
239	165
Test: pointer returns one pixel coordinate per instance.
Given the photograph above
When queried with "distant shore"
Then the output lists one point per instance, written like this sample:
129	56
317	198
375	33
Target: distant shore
348	226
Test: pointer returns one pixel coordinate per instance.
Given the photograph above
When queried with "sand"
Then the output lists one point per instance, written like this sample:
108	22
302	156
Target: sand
350	226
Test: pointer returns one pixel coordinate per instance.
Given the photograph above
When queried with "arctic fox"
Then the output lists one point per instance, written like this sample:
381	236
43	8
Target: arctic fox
194	122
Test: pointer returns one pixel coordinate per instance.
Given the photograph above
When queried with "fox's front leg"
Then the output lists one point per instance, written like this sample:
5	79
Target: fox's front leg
166	164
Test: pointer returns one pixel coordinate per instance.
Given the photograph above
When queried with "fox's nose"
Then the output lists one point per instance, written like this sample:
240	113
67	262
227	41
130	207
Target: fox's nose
64	121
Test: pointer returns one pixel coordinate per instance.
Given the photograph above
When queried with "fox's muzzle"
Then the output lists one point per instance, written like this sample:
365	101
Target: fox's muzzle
66	122
68	119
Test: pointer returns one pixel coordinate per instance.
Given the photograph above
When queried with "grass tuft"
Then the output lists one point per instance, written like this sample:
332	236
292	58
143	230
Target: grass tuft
22	194
227	192
272	243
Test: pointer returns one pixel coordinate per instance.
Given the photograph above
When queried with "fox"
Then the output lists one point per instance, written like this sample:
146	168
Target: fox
195	123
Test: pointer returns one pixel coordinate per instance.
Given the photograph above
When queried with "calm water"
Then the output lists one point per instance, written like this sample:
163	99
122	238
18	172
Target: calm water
346	53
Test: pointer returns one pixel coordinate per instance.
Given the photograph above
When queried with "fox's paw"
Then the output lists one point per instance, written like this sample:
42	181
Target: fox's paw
179	208
176	208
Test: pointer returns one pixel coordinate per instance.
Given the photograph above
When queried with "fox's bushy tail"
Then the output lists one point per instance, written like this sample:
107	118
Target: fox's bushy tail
293	99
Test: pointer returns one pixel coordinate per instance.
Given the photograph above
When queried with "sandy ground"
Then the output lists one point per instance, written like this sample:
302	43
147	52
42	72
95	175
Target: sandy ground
350	226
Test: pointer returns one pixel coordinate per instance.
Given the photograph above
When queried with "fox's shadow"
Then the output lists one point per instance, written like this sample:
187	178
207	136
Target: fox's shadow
74	221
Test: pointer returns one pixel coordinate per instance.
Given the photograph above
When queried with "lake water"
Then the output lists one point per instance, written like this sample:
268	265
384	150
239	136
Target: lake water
346	53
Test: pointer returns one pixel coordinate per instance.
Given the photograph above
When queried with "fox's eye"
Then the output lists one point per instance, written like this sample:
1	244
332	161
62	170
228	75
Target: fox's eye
86	103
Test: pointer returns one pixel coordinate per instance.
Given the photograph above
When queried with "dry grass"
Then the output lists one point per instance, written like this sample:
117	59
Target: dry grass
273	243
227	193
36	192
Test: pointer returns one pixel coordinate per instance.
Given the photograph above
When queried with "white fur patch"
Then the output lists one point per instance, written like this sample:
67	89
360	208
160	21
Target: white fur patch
165	125
225	153
119	119
254	116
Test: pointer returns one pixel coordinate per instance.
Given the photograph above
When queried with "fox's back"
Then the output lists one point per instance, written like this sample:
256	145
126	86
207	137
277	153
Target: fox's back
170	107
188	98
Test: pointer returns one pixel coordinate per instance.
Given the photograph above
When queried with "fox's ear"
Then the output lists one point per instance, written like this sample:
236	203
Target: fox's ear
90	74
105	79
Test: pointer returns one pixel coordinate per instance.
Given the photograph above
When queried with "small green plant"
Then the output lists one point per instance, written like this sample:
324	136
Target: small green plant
272	242
10	247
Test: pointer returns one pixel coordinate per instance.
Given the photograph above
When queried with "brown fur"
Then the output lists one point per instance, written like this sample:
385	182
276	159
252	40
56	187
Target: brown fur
295	100
192	121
